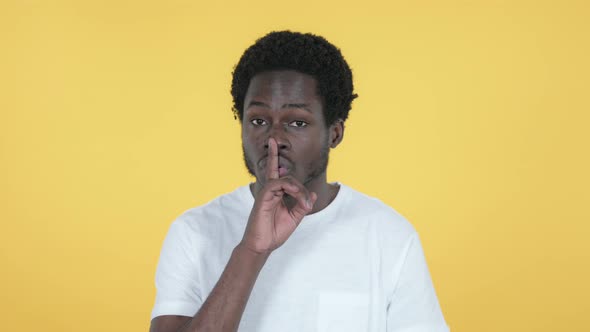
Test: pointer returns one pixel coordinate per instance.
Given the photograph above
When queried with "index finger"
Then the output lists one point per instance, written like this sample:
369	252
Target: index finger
272	160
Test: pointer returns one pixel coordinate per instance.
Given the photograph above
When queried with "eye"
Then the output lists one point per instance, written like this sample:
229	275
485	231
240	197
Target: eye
258	122
298	124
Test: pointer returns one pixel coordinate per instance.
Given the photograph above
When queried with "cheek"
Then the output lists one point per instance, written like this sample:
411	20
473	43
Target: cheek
312	142
252	144
248	138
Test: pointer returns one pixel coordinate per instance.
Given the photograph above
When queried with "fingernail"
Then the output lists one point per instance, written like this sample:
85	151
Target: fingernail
308	202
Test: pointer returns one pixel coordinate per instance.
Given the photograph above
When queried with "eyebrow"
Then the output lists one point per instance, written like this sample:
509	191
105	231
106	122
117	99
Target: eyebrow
261	104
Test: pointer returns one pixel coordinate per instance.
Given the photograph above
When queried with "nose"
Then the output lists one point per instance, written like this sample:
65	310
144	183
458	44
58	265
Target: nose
278	133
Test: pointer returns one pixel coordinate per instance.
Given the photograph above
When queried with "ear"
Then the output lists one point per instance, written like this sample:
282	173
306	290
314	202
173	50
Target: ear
336	133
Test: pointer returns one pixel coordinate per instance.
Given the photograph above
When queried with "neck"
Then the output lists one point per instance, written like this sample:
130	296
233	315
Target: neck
326	192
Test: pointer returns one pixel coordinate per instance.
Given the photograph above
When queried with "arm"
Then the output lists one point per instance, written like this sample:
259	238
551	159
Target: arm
223	308
414	306
270	224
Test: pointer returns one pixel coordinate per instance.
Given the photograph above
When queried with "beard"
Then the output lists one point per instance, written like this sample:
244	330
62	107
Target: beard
312	169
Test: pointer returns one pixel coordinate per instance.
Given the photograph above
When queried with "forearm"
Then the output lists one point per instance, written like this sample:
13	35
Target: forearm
223	309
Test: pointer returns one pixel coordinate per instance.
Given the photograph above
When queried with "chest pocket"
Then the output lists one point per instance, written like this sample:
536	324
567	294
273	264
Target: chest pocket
343	312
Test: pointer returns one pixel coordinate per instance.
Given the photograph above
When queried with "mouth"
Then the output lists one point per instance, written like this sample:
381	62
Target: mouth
283	171
285	165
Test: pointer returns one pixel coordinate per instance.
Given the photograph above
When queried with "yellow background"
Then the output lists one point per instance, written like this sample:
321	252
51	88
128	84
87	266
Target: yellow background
472	122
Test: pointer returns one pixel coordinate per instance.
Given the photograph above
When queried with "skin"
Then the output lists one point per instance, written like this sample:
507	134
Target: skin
284	105
286	145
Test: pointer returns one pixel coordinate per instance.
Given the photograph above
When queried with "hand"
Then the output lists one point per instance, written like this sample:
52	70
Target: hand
271	221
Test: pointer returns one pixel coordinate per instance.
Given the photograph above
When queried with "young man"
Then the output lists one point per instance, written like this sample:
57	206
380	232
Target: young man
291	252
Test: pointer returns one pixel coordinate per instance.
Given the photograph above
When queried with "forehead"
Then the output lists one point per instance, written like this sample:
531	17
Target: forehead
282	86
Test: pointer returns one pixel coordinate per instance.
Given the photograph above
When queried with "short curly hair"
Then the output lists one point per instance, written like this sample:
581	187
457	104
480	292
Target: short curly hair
306	53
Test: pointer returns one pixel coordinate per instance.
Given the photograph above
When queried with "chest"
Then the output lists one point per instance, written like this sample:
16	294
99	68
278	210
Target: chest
329	282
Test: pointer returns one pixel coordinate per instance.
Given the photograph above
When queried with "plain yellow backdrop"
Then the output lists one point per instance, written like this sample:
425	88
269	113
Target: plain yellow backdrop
472	121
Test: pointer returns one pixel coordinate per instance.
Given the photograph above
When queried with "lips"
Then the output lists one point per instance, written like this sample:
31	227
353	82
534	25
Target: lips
285	165
283	171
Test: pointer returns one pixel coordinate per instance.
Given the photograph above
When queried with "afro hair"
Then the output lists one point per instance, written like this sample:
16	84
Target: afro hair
305	53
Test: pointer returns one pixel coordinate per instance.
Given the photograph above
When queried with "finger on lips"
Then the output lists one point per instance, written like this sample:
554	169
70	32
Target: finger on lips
287	185
272	161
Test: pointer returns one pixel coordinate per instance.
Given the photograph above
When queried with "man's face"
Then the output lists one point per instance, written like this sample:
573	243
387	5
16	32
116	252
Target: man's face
284	105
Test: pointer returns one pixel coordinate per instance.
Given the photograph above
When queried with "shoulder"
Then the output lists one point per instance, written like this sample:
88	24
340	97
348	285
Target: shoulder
223	211
359	205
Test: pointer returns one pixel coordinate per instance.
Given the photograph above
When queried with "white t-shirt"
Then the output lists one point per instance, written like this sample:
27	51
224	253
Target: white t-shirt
356	265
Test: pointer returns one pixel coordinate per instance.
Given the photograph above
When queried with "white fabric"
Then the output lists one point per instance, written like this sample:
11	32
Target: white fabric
357	265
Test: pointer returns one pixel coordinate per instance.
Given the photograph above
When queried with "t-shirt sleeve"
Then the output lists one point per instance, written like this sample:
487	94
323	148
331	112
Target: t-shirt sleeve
414	306
177	289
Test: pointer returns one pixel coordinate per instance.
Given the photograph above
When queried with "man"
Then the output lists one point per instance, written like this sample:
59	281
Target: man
291	252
